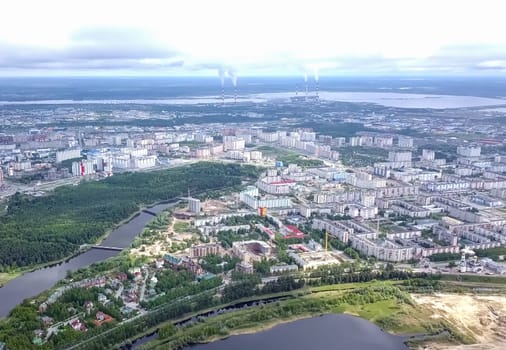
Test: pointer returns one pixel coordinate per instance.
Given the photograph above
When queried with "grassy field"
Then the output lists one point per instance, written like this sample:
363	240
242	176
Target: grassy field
181	227
256	320
7	276
395	314
289	157
475	278
348	286
273	151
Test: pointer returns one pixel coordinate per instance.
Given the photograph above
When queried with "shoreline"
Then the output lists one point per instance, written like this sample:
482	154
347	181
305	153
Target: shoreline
407	337
21	271
254	325
448	336
281	321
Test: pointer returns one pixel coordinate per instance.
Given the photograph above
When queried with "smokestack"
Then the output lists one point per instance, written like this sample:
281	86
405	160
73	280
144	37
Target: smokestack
233	77
221	73
305	81
316	79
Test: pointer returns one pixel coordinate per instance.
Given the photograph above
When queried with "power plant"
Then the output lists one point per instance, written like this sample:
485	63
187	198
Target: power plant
224	73
307	97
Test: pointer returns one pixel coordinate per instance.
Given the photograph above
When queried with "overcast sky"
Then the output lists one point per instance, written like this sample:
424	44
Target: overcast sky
252	37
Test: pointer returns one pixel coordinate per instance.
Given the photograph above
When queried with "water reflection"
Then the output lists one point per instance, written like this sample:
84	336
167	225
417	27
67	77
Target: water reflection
336	332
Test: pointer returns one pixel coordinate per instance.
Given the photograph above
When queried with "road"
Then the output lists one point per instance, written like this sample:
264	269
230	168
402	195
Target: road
143	288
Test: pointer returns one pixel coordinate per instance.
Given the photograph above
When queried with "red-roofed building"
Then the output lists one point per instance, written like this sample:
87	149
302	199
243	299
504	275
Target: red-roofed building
299	247
122	276
290	231
102	318
77	325
267	231
490	141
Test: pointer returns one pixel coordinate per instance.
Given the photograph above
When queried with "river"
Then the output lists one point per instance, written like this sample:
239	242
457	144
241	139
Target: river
33	283
335	331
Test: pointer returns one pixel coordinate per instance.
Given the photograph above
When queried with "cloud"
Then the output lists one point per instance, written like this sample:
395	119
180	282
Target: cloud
94	48
131	49
492	64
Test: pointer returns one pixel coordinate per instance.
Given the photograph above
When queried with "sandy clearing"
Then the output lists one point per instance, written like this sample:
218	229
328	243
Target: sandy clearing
482	317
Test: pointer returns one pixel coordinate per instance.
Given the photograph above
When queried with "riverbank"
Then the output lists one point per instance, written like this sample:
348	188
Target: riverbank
6	277
382	304
45	229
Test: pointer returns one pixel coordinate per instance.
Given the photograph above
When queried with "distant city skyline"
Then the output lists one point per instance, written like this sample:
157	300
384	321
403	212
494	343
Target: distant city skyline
252	38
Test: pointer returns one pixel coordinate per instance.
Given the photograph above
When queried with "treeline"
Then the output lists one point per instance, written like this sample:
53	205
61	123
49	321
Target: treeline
249	219
444	257
119	334
43	229
25	317
492	253
217	264
227	238
222	326
340	274
250	286
184	288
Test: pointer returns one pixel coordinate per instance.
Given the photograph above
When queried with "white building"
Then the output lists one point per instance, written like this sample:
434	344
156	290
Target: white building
233	143
469	151
21	166
269	136
121	162
275	185
143	162
194	205
428	154
135	152
67	154
202	153
447	186
256	155
399	156
83	168
405	142
250	197
308	136
355	141
216	149
204	138
383	141
386	250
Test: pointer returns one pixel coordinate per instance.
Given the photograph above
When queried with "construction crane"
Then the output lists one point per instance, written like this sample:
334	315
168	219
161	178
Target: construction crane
326	242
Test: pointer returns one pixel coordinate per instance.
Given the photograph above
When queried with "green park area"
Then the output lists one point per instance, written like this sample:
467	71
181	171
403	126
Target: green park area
38	230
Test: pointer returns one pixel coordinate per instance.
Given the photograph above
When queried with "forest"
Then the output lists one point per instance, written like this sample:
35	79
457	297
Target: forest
38	230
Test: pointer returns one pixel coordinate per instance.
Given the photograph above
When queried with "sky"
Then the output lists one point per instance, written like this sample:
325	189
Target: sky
252	37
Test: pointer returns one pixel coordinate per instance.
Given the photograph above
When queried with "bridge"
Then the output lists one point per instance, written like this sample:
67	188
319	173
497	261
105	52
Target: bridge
117	249
148	212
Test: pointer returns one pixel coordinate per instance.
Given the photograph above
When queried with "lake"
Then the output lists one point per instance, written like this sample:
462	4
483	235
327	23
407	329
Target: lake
328	332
